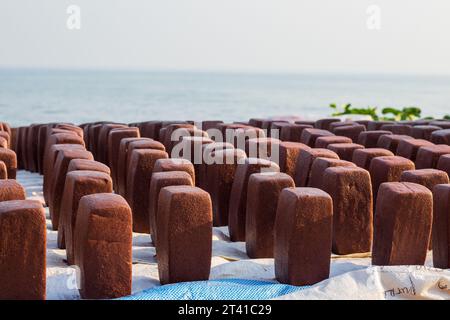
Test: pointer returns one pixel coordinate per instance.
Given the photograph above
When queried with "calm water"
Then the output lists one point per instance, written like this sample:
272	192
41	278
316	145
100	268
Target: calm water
28	96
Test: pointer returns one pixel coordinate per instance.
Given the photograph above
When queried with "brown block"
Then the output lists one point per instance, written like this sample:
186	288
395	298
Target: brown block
441	226
210	124
10	159
444	163
114	138
22	147
351	131
402	129
264	148
11	190
102	143
376	125
319	166
78	184
59	178
351	191
369	139
345	150
184	229
323	142
387	169
170	129
192	151
161	180
289	152
32	148
305	122
3	171
262	200
303	230
309	136
423	132
428	156
140	171
42	141
238	197
325	123
208	159
163	165
390	142
138	145
441	137
94	131
256	122
305	161
426	177
89	165
103	241
5	135
363	157
69	127
440	123
220	177
402	224
408	148
337	124
150	129
293	132
23	250
3	143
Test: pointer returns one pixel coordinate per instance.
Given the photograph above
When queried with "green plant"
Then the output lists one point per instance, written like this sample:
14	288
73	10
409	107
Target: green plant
389	113
348	109
447	117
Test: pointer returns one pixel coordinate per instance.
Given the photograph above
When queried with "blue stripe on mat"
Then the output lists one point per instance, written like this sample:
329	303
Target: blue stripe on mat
220	289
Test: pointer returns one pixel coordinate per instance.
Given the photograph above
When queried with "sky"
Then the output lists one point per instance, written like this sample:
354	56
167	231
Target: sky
229	35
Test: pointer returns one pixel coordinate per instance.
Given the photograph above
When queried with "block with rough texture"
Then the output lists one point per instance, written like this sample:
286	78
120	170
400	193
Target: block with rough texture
441	137
309	136
426	177
351	131
59	179
440	123
23	250
173	131
428	156
444	163
220	177
184	229
305	161
345	150
264	148
323	142
163	165
3	171
10	189
102	144
78	184
390	142
319	166
369	139
238	197
402	226
161	180
303	234
441	226
150	129
32	150
376	125
408	148
140	172
262	199
387	169
363	157
293	132
208	159
351	191
103	246
397	128
423	132
192	151
89	165
9	157
325	123
289	152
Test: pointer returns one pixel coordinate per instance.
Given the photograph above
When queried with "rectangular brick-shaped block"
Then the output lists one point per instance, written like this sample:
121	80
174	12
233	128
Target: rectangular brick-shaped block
161	180
404	129
387	169
309	136
89	165
210	124
324	124
289	152
440	123
78	184
428	156
184	228
176	131
238	197
150	129
441	137
220	177
351	131
408	148
103	251
201	180
192	151
262	199
369	139
441	226
376	125
114	138
23	250
303	236
239	136
102	144
390	142
323	142
3	171
293	132
169	164
305	161
345	150
264	148
319	166
140	172
23	136
9	157
338	124
363	157
70	127
426	177
59	178
32	151
351	191
444	163
402	224
423	132
11	190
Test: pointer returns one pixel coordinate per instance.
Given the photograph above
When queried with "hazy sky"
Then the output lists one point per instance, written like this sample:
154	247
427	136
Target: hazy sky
228	35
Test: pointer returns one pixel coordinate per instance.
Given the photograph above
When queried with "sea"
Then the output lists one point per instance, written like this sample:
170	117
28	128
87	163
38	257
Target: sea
77	96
